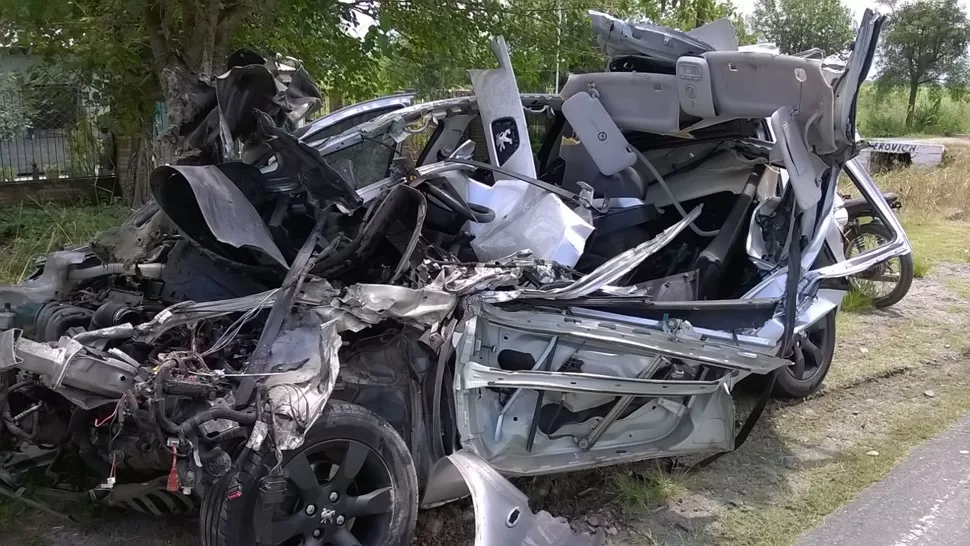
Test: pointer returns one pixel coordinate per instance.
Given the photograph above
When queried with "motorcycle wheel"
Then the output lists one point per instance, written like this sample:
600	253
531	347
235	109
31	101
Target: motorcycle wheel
877	280
352	483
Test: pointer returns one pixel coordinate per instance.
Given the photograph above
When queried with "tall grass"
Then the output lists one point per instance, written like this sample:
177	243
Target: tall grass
31	230
936	113
933	194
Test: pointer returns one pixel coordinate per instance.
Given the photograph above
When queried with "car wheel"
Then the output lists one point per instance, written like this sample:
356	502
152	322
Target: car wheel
811	358
352	483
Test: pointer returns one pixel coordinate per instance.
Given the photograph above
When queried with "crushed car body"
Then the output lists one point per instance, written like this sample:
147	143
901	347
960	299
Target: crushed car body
306	328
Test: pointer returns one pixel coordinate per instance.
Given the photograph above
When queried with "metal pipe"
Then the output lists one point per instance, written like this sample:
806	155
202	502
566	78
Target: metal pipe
515	395
32	409
148	271
621	405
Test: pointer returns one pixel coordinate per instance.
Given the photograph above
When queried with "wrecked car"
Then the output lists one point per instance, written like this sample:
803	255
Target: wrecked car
307	334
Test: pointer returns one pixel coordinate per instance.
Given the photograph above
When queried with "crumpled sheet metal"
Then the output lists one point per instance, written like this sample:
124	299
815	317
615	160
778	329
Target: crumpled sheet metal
302	393
373	303
464	279
611	271
315	292
54	279
502	514
228	216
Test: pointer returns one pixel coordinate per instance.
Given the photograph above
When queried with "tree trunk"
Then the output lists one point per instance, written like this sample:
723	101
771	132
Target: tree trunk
911	106
335	100
187	60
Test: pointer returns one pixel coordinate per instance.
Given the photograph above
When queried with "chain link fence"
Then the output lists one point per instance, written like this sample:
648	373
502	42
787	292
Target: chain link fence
49	131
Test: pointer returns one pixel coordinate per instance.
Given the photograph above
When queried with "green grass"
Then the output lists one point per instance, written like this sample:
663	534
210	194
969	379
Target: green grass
30	231
921	266
939	242
856	301
645	489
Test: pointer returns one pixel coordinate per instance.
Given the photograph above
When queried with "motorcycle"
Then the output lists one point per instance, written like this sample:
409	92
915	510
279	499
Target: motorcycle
862	229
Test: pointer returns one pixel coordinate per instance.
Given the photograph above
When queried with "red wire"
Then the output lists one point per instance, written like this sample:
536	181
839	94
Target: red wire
100	423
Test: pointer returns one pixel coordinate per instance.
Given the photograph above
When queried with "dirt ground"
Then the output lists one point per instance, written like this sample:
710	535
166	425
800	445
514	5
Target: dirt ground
900	376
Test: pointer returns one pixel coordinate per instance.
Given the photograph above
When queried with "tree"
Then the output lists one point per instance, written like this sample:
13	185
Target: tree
136	53
925	45
799	25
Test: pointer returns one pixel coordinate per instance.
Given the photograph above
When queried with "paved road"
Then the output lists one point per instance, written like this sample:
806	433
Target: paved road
923	502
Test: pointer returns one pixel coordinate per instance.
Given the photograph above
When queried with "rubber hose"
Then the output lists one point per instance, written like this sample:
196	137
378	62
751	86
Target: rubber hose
241	417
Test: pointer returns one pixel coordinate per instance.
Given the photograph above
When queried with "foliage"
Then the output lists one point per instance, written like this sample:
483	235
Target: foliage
543	36
14	112
934	195
925	45
799	25
82	149
687	14
882	113
355	49
646	489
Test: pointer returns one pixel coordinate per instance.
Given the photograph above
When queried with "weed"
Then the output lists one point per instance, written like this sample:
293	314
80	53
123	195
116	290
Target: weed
645	489
933	195
29	231
856	301
921	266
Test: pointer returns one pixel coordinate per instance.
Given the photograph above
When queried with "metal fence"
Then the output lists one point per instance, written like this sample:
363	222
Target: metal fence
50	133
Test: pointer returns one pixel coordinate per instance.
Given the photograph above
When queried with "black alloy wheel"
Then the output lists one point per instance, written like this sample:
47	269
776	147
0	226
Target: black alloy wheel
340	496
352	483
811	358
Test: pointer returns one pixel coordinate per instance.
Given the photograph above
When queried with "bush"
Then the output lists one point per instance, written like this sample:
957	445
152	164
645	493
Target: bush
883	114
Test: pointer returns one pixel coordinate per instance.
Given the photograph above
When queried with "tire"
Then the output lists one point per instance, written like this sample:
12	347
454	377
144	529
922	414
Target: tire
906	270
821	335
230	522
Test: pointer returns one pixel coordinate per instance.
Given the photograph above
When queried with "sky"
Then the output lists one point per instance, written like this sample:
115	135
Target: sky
857	6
